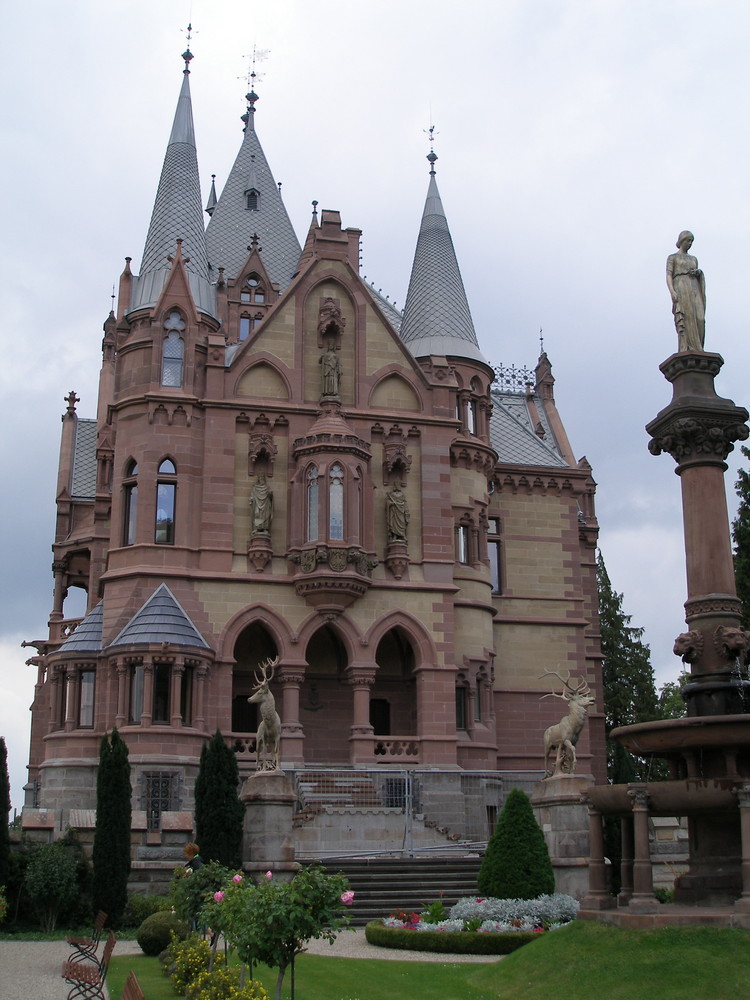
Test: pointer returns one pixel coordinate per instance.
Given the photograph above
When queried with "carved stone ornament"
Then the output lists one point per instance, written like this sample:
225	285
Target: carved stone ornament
308	560
689	645
337	560
688	437
330	319
731	641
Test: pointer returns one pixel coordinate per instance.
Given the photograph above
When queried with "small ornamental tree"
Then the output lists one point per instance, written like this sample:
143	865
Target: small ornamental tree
271	922
51	883
218	810
111	851
4	811
516	864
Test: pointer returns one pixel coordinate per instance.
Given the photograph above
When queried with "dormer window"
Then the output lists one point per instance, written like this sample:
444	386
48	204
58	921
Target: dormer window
252	199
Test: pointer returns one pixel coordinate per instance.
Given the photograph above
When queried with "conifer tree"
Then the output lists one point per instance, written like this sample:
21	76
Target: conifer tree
111	852
741	539
4	811
627	678
516	864
218	810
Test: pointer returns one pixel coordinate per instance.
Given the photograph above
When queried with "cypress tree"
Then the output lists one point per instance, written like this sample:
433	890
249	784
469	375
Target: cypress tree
4	812
741	539
218	810
517	863
111	853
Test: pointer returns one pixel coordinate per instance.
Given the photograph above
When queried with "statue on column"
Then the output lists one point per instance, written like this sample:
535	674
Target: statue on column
397	514
331	372
261	506
687	286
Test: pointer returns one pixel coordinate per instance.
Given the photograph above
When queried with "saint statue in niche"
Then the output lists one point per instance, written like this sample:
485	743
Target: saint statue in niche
261	506
687	286
331	372
396	514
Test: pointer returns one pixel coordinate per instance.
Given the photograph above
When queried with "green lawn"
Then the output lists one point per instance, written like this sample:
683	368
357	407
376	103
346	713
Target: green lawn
585	961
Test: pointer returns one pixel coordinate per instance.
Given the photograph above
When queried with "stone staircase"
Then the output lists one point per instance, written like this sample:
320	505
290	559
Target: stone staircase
382	885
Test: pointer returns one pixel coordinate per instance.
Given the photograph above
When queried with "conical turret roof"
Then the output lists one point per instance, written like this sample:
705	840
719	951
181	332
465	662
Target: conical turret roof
177	214
436	316
236	218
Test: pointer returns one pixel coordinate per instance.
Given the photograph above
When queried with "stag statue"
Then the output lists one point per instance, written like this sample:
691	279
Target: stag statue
269	730
563	737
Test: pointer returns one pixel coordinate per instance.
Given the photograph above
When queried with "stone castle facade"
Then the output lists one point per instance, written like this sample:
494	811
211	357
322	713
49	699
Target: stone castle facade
281	464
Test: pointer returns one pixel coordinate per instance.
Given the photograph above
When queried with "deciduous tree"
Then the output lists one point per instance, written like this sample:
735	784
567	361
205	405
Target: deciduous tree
4	811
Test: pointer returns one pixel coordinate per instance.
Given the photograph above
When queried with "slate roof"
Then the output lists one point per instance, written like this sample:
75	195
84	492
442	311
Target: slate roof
177	214
514	437
232	225
392	314
87	638
83	480
161	619
436	317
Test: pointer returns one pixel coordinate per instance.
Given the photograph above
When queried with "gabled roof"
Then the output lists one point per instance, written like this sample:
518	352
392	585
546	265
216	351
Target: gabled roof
514	437
87	638
436	317
161	619
232	225
177	214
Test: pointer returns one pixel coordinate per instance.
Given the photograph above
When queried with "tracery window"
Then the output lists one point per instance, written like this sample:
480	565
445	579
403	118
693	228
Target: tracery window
336	502
312	503
87	682
173	351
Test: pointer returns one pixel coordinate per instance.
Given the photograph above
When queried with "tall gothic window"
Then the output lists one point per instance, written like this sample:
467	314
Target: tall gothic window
336	503
312	503
130	514
463	539
173	351
166	491
87	681
493	552
136	693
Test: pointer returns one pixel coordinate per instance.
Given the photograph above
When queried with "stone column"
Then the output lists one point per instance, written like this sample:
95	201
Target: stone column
598	896
743	797
58	598
71	698
201	672
361	680
561	813
267	840
148	694
642	900
58	688
626	866
122	695
292	731
175	693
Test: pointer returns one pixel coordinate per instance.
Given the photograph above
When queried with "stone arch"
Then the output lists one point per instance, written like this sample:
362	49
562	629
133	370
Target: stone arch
425	653
274	623
395	392
398	647
262	380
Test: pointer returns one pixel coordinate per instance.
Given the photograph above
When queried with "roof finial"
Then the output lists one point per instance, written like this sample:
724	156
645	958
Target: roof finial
432	155
315	210
541	342
187	55
258	55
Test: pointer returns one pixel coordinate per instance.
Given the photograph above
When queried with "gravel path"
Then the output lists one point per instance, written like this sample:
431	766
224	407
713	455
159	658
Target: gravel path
30	970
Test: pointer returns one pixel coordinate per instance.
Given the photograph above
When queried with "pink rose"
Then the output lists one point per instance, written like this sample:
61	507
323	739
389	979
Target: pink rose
269	874
347	897
237	878
218	896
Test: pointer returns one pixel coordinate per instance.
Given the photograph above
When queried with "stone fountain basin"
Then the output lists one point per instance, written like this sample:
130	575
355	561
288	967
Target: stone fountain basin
671	736
683	797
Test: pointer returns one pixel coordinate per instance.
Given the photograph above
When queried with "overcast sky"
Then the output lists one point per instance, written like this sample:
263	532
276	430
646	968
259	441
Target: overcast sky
576	138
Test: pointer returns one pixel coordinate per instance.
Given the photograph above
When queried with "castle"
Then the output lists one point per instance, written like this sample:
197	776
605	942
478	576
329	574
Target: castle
282	465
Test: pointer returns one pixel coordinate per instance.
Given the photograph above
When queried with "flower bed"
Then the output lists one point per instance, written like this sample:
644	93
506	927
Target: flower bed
475	925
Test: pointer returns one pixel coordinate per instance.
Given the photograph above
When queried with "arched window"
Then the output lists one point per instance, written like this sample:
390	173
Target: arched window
173	356
312	503
336	502
252	199
166	491
130	507
245	326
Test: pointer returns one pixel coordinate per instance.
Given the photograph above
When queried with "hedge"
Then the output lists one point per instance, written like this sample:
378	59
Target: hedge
458	942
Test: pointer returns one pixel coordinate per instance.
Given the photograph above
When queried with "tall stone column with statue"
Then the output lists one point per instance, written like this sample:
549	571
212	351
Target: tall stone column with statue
267	795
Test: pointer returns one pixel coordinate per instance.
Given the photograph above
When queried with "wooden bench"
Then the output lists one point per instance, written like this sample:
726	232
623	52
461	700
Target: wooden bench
87	946
132	989
87	975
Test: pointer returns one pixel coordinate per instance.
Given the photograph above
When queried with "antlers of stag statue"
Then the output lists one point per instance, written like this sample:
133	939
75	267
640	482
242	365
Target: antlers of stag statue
269	731
564	736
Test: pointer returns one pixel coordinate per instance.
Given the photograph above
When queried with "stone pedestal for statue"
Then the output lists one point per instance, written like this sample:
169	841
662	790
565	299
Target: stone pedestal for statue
564	820
267	843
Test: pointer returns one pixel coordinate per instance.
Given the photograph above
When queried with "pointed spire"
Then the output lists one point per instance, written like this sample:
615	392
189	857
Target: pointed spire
436	318
212	199
177	213
251	203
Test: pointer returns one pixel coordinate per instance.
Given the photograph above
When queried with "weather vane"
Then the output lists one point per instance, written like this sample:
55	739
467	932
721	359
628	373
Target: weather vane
541	341
251	77
432	155
187	55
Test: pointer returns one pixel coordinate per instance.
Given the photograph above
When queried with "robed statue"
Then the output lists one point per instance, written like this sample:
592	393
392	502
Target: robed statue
261	506
687	286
